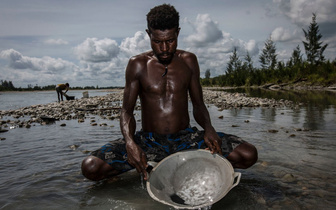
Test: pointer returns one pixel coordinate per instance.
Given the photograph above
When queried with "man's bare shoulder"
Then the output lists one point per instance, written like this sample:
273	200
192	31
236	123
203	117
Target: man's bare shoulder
143	57
189	58
185	54
138	62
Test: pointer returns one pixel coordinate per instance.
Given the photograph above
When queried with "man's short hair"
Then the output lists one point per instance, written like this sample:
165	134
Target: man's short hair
163	17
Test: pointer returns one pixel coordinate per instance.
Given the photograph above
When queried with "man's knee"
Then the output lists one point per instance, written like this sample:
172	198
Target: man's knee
91	168
250	155
243	156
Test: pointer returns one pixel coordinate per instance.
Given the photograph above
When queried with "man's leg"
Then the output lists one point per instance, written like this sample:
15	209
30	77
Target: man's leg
240	153
58	95
107	161
243	156
96	169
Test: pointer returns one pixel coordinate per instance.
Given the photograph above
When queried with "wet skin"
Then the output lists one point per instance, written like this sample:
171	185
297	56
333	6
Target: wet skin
164	102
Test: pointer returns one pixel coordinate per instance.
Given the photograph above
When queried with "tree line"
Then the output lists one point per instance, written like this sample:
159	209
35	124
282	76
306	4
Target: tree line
315	68
8	86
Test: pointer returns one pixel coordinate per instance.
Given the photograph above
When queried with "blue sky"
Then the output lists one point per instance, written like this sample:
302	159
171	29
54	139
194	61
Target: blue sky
89	42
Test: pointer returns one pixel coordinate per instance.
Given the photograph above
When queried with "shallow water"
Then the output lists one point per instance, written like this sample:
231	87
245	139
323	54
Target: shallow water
40	166
18	99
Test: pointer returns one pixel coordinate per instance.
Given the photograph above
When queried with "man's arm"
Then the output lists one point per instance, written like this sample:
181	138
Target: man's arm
200	111
135	155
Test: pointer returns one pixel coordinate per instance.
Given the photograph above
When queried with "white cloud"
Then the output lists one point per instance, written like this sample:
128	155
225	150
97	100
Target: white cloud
251	47
97	50
206	31
135	45
105	60
300	11
45	64
43	71
280	34
56	42
214	50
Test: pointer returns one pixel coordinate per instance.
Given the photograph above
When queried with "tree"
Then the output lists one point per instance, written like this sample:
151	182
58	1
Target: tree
10	85
207	74
234	63
296	58
268	57
313	45
248	64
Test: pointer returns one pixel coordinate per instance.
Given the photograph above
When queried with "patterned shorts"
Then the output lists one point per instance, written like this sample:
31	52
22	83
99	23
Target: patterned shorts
157	146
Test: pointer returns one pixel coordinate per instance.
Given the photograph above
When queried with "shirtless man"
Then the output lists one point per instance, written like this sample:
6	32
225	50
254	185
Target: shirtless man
163	78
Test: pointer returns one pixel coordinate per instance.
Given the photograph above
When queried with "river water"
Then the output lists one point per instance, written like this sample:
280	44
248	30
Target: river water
40	166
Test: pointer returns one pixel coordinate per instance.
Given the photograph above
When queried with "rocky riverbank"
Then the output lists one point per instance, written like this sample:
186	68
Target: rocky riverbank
108	107
225	100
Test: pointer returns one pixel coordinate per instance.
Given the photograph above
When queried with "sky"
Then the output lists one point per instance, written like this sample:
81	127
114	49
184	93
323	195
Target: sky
89	43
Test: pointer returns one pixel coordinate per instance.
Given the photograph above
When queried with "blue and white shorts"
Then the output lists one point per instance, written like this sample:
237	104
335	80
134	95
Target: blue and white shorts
157	146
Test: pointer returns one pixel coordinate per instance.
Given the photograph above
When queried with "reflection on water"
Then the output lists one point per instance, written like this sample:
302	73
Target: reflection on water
316	98
316	107
40	170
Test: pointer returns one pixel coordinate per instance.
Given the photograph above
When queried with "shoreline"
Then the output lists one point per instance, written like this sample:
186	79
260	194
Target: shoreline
109	106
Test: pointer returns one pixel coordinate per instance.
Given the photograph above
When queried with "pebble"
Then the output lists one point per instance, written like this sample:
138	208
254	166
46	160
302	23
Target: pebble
288	178
45	114
3	130
108	107
264	163
74	147
226	100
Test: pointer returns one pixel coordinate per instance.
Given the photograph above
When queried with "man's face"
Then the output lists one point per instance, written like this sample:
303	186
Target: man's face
164	43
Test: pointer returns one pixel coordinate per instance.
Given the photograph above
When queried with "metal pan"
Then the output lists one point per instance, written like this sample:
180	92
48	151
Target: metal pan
192	179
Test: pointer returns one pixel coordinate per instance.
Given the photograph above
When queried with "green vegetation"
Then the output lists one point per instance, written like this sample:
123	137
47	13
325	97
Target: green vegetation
8	86
315	70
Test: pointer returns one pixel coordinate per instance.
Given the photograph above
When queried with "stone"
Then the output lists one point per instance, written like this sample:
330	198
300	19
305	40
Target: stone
74	147
288	178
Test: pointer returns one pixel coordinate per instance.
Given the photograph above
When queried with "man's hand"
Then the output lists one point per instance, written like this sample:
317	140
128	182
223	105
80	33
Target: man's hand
137	158
213	141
